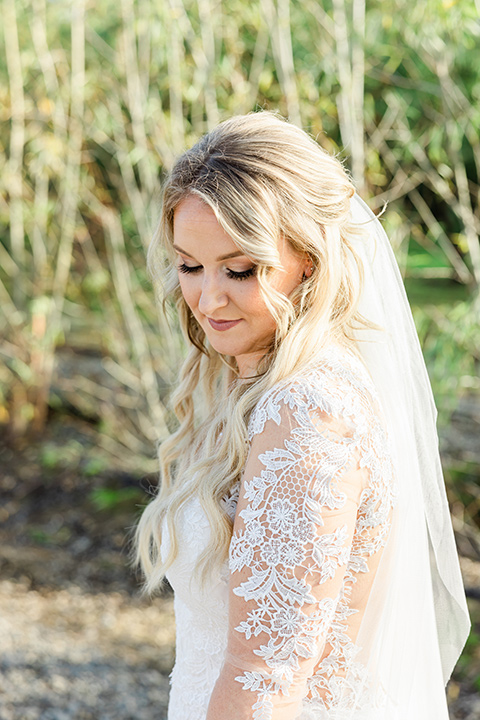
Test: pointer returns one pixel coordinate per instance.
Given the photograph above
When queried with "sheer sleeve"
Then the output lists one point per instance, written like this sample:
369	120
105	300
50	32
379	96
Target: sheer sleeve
291	543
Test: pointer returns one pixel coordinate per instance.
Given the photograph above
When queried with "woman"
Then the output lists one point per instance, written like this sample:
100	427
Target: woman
301	517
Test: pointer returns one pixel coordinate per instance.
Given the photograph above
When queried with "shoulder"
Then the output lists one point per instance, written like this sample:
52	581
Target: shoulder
337	384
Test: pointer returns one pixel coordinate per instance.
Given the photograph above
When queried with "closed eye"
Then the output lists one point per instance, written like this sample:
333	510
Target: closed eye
188	269
241	275
232	274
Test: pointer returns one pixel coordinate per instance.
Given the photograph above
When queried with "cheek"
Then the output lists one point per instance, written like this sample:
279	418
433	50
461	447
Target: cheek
247	297
189	291
287	282
254	304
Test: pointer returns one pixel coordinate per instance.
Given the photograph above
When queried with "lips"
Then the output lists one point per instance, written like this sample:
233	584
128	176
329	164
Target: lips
222	325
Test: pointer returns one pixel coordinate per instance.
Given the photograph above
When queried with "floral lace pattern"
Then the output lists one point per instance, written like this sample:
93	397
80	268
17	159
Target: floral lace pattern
313	514
310	519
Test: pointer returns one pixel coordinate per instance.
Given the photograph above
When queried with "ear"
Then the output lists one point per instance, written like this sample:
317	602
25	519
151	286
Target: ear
307	268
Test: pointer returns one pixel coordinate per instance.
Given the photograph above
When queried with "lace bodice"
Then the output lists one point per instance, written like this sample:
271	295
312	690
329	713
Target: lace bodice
312	515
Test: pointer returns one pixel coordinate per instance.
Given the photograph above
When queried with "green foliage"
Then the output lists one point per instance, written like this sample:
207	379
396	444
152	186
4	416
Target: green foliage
58	537
450	339
103	498
65	455
469	657
97	102
95	466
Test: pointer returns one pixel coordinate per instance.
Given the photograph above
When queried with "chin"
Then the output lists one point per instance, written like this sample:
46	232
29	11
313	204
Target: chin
227	348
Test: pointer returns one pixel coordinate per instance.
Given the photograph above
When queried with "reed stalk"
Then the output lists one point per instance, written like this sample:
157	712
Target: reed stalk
17	137
277	17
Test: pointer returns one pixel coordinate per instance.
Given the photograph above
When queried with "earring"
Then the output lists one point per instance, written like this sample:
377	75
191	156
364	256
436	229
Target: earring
305	276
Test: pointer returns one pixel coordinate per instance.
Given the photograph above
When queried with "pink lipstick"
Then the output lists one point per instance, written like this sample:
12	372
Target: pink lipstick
222	324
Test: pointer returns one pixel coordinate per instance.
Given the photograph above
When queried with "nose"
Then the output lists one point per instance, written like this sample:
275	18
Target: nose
212	296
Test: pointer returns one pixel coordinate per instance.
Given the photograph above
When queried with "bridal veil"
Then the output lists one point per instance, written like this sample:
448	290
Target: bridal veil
416	621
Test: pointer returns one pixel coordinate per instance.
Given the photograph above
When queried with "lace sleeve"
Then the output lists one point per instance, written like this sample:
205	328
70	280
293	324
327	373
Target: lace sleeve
291	543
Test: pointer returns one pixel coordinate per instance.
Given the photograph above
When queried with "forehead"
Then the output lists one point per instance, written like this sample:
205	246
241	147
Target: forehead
192	210
195	226
196	229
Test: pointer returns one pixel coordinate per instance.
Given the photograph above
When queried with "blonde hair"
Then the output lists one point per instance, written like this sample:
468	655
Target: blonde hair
265	180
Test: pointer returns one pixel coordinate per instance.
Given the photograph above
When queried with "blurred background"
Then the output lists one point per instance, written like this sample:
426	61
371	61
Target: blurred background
97	99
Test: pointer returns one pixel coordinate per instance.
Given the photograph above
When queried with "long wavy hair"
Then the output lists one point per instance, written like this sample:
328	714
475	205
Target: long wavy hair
265	180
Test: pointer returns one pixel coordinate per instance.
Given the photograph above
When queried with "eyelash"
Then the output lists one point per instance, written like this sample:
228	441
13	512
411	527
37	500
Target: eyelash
243	275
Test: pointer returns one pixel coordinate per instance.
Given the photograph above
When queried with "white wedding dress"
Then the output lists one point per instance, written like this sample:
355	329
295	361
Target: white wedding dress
313	517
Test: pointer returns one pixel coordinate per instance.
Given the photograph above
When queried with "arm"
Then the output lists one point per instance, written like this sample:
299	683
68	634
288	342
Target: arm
291	543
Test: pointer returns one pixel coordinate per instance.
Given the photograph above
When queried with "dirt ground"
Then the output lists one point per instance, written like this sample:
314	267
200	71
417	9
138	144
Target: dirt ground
71	654
78	642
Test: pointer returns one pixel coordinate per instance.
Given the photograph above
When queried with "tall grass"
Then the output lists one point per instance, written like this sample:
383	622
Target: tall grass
96	103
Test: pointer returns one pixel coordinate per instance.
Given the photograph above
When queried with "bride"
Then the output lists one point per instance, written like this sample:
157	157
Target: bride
301	516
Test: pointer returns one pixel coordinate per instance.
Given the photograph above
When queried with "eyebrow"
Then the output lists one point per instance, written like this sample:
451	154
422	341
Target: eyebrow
238	253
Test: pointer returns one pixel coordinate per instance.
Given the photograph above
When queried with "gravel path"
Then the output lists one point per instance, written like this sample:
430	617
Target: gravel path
67	655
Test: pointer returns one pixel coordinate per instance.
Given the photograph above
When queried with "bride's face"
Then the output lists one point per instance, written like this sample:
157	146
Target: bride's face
219	284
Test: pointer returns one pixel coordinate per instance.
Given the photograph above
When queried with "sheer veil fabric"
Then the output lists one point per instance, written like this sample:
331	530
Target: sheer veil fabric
416	621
